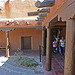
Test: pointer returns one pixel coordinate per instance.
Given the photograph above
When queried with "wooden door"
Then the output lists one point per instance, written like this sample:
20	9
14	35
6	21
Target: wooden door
26	42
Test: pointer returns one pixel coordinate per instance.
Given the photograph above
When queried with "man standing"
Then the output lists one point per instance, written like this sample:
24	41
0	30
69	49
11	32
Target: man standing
62	44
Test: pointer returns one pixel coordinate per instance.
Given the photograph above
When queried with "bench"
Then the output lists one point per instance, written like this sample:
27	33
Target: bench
2	47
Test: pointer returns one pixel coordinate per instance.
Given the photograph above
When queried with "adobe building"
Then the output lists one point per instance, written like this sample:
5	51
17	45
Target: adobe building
17	30
61	17
56	17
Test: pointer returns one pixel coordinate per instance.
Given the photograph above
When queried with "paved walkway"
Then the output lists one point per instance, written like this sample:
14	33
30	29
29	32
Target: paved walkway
6	68
57	64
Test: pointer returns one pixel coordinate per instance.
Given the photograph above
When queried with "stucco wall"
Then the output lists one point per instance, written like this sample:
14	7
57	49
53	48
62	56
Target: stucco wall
15	37
17	8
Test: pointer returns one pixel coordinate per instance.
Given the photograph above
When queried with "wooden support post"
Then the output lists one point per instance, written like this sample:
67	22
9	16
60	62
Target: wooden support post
48	50
7	43
43	41
70	48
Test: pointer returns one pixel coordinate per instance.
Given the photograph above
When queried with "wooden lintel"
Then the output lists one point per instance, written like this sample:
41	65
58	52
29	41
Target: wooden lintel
60	24
6	29
45	3
33	13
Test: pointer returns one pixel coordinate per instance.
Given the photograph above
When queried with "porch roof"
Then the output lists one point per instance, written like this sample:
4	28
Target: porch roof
19	22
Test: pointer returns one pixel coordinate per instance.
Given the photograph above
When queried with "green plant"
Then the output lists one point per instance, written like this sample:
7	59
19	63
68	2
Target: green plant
18	54
28	62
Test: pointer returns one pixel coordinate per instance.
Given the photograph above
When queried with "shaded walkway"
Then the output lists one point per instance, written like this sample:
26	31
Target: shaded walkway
57	65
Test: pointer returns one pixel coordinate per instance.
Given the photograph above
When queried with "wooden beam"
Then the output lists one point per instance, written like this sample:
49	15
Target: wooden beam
42	15
70	48
7	44
40	18
45	3
60	24
43	41
39	22
48	49
44	10
33	13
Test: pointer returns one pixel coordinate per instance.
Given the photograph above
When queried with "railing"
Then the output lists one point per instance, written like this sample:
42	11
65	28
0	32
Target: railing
40	52
2	47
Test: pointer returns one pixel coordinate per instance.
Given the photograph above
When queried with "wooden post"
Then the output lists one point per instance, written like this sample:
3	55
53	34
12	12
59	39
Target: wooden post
70	48
43	42
7	43
48	50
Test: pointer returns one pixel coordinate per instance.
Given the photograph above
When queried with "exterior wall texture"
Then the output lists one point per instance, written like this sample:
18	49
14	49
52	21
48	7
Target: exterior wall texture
16	8
15	38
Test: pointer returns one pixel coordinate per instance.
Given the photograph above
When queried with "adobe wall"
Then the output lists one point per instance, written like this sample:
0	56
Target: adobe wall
17	8
15	37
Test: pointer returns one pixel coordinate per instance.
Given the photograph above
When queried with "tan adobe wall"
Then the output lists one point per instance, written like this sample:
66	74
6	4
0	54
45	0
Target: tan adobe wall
15	37
17	8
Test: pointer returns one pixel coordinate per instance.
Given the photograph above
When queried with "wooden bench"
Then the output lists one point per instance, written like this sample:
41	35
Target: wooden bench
2	47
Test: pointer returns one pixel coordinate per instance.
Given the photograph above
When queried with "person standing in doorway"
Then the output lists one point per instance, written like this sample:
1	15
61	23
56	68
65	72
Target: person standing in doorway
54	46
62	44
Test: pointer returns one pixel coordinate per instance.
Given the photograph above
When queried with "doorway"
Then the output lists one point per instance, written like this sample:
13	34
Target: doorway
26	42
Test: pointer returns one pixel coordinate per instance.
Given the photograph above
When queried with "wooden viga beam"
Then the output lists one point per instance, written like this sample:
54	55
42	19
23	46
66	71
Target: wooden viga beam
45	3
44	10
39	22
42	15
33	13
40	19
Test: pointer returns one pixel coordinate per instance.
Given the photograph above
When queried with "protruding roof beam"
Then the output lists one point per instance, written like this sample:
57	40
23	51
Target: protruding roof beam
40	18
39	22
42	15
45	3
33	13
44	10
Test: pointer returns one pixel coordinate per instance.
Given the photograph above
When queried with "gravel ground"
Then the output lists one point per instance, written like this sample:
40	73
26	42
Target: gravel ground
10	67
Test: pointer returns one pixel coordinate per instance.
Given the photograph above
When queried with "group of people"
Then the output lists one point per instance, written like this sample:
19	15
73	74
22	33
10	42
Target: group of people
59	46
